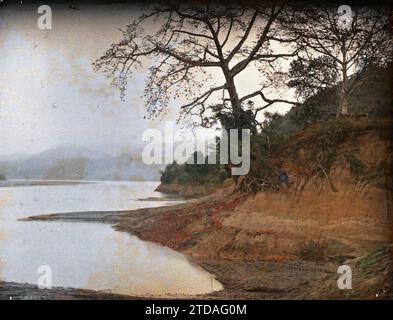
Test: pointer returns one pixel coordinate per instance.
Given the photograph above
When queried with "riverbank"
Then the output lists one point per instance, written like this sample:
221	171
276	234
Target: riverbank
241	279
254	262
24	291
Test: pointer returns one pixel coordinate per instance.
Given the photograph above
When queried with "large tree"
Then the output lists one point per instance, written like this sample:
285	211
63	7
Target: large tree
189	47
337	46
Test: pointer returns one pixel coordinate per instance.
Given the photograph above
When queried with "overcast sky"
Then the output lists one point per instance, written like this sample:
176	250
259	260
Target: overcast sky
49	94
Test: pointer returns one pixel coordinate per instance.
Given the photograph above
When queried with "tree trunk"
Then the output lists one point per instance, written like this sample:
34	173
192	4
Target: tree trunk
237	111
343	105
235	103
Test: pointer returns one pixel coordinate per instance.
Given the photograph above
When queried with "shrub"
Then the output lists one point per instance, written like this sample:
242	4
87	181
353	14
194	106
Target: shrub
194	173
313	250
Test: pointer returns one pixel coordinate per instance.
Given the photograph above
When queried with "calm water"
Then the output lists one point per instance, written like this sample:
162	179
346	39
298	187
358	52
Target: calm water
90	255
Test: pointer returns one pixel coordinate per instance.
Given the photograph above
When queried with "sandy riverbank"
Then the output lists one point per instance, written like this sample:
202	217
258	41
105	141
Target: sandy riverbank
241	279
202	230
24	291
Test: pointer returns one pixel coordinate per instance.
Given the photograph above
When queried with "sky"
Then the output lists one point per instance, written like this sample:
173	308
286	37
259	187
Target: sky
50	96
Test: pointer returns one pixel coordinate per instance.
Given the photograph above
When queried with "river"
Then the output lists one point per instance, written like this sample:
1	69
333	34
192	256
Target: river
90	255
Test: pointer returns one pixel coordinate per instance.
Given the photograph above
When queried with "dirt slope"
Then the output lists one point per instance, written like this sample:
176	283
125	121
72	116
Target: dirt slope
348	213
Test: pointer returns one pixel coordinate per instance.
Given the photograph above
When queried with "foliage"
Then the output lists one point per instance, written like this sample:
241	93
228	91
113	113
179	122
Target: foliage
310	76
262	144
224	117
314	109
262	174
194	173
2	177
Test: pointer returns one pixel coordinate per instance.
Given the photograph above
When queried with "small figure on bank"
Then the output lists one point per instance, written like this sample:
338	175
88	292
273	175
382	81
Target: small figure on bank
283	177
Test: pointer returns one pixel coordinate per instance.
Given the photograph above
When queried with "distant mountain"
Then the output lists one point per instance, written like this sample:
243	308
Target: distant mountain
76	163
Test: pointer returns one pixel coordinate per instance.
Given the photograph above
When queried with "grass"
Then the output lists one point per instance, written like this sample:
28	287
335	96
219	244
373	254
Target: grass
369	263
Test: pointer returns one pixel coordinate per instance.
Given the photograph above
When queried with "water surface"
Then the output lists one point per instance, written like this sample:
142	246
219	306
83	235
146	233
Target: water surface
90	255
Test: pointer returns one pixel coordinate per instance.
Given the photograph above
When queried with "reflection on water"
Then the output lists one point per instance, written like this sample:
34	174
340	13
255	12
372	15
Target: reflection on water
90	255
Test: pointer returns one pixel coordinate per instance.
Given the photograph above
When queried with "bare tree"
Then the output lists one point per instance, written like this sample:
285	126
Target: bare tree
337	47
189	44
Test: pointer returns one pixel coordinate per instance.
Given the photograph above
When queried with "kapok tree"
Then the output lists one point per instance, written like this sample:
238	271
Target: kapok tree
185	47
337	46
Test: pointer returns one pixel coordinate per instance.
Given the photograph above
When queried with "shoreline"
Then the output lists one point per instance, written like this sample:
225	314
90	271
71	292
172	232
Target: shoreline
197	229
26	291
241	279
23	291
224	270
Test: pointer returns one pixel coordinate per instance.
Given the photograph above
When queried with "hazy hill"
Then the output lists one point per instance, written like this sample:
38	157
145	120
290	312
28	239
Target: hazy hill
79	163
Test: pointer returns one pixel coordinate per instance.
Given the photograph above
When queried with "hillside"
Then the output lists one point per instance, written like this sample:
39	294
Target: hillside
355	188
